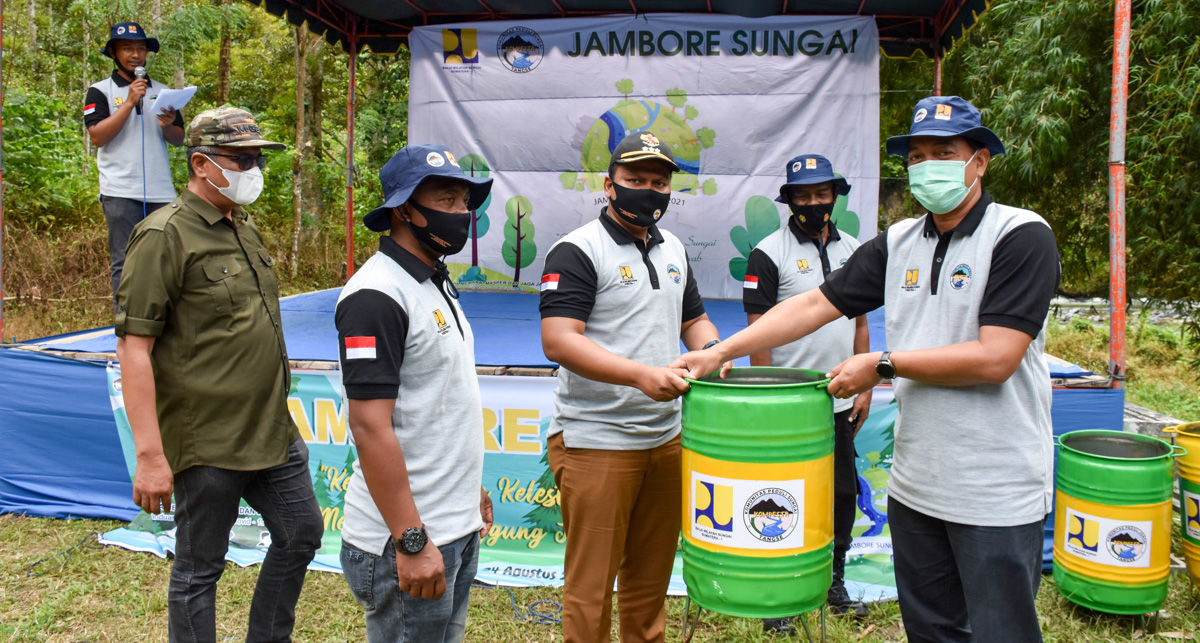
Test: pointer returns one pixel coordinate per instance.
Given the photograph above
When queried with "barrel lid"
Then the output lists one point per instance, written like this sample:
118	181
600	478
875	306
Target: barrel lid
765	377
1115	445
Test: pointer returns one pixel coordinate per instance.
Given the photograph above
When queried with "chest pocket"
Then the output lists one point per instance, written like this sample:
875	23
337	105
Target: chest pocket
230	284
269	282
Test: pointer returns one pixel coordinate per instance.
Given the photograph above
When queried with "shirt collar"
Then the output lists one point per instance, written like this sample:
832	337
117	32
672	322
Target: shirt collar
418	269
803	237
622	236
206	210
120	80
968	224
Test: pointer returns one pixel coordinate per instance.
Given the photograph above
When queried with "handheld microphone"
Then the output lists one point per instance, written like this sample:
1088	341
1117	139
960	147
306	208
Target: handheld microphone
139	72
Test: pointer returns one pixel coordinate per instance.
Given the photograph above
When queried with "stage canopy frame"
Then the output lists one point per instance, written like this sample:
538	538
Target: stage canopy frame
906	27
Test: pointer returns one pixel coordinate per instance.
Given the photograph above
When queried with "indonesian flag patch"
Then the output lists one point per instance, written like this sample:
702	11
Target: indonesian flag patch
751	282
88	109
550	282
360	348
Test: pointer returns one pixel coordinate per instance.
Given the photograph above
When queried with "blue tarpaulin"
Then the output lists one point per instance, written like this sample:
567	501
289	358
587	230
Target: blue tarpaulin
63	458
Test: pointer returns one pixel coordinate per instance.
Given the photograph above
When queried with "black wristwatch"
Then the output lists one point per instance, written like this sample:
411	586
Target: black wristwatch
711	344
412	541
884	367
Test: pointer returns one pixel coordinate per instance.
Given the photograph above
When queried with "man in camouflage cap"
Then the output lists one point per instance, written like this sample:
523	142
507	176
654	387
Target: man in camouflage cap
205	377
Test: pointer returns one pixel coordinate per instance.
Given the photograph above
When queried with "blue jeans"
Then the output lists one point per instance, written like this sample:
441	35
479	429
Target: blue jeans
121	215
965	583
206	507
394	616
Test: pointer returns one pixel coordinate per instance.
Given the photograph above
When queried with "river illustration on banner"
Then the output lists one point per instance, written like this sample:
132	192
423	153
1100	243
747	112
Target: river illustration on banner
671	123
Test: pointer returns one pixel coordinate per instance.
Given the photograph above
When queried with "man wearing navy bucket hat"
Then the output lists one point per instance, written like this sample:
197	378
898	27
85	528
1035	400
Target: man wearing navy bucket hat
966	290
791	261
131	152
415	507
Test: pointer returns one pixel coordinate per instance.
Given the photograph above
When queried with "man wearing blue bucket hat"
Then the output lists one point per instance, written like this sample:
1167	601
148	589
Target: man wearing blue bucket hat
415	507
966	290
789	262
131	152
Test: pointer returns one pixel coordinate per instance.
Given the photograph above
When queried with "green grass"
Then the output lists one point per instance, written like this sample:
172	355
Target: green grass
1158	362
110	594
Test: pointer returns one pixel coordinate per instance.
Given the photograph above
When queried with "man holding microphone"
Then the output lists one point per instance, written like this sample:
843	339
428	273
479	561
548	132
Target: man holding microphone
131	154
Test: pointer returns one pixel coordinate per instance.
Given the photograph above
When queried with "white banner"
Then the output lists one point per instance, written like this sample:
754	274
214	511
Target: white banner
540	105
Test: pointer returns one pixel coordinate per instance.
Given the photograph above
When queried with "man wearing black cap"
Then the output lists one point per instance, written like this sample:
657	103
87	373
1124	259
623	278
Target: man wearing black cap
966	290
792	261
415	506
131	152
617	296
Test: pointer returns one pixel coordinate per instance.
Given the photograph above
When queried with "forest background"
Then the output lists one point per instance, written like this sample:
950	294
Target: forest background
1040	71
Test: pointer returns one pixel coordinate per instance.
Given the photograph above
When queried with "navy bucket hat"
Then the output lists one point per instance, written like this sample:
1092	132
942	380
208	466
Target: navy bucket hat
946	116
810	169
128	31
407	168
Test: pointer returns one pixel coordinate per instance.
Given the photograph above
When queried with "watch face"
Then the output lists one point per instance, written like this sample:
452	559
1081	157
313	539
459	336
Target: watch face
413	540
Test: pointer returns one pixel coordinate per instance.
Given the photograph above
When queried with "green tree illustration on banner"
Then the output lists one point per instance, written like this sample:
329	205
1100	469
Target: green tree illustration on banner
475	165
762	218
846	220
519	249
625	86
349	470
321	485
548	518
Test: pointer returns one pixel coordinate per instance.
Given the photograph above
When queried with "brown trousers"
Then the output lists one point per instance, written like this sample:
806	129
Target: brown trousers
621	511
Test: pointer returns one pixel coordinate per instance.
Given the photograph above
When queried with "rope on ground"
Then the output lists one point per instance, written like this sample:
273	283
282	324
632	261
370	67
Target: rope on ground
529	613
65	555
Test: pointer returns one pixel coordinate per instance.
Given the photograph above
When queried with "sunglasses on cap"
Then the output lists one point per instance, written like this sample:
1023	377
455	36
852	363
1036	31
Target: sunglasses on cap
246	161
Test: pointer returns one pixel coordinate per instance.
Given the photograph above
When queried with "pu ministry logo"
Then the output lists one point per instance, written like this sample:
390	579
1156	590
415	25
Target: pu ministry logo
714	506
460	50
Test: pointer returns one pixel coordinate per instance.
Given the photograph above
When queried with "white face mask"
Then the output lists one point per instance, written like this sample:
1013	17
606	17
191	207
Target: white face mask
243	188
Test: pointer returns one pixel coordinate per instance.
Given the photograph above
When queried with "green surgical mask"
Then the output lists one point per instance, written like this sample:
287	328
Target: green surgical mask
940	186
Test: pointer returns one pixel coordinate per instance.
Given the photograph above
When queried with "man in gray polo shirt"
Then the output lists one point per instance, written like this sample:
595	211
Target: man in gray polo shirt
415	506
131	149
617	296
791	261
966	290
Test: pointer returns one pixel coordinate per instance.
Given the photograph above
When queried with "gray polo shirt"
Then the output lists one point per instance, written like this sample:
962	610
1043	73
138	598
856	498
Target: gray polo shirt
139	144
979	454
787	263
403	336
633	298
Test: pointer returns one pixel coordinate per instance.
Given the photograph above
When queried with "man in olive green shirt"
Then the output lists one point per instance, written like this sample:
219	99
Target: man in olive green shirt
205	378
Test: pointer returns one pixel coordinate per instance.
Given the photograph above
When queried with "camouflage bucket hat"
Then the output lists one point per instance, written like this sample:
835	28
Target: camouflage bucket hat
228	127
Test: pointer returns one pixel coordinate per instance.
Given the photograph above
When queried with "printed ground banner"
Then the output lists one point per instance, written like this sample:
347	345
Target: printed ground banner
540	105
526	545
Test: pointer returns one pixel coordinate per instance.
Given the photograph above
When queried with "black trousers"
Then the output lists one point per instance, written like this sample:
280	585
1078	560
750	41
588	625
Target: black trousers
845	483
964	582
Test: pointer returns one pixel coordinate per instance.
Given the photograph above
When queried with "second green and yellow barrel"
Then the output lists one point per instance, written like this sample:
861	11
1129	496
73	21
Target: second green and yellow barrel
1112	532
1187	436
758	492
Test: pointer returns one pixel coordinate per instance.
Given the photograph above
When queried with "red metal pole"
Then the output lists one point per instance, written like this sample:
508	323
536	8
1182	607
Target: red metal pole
1116	196
1	174
350	151
937	71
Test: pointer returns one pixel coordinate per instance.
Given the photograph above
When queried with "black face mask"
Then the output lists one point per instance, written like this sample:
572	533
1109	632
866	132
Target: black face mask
812	218
642	208
445	233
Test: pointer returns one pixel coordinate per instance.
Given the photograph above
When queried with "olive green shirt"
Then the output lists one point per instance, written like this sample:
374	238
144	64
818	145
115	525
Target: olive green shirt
204	286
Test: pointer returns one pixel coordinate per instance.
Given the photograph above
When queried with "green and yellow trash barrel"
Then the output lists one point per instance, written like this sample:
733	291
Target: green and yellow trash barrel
1187	436
758	492
1112	532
